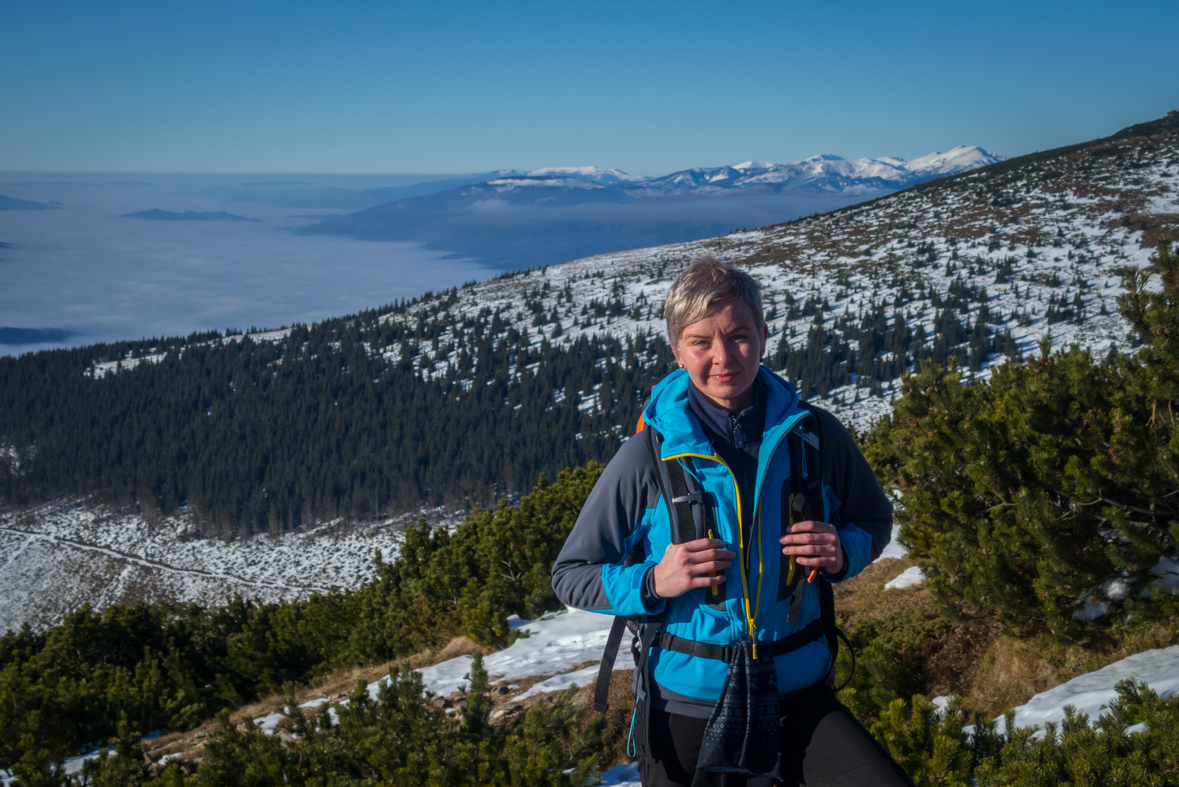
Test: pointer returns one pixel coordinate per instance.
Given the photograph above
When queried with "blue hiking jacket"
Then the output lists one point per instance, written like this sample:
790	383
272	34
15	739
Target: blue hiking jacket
626	506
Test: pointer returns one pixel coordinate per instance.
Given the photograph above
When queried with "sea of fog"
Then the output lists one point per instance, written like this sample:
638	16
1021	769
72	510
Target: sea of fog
84	269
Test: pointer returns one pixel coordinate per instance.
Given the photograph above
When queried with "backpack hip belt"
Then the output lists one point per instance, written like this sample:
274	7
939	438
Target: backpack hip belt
810	633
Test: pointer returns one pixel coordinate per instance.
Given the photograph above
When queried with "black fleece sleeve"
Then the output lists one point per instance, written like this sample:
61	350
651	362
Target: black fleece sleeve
606	529
845	469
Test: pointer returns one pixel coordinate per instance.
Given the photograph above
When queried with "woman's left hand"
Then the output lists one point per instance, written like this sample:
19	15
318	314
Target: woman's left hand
815	545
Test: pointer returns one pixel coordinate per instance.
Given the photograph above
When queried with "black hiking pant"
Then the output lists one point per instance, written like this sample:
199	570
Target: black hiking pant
823	745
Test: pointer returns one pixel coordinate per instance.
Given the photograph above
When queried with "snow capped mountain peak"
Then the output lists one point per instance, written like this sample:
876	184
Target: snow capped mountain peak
953	161
747	165
595	174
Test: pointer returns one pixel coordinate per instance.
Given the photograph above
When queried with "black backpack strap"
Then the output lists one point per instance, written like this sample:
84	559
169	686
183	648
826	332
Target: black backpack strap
613	643
827	616
804	636
691	513
802	495
832	632
671	477
807	450
685	499
641	723
606	668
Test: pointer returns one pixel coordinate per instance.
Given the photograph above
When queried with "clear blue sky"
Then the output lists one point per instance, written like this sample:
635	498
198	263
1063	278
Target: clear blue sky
648	87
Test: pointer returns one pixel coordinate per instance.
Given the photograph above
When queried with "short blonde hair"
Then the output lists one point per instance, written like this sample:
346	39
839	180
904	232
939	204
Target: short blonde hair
704	285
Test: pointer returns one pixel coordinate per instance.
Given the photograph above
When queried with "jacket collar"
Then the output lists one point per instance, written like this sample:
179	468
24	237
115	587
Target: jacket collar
669	412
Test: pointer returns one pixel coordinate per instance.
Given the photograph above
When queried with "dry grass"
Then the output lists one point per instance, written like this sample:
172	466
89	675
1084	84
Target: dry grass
1012	670
951	664
863	596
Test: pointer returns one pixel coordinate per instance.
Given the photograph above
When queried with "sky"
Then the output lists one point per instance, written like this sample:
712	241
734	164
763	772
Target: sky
650	87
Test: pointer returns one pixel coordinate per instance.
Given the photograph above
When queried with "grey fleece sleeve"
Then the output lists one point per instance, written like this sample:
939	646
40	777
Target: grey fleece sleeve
862	502
604	534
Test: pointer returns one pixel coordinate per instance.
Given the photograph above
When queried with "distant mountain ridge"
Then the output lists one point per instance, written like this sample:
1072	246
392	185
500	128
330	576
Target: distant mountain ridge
827	173
525	218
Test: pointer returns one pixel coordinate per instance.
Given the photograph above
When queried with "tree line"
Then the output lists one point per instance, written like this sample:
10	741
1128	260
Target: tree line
336	420
392	409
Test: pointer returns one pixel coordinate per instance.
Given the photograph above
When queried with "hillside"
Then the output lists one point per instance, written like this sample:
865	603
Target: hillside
465	396
59	557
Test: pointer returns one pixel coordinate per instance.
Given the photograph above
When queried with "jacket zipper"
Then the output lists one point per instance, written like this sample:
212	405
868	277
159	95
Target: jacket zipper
750	617
751	613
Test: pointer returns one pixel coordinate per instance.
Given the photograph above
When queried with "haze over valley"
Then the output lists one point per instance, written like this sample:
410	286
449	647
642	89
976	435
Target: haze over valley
93	274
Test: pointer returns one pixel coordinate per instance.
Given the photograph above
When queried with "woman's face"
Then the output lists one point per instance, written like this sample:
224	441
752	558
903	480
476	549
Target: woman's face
722	352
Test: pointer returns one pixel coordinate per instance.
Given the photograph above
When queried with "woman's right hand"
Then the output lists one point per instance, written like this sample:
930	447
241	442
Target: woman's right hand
696	564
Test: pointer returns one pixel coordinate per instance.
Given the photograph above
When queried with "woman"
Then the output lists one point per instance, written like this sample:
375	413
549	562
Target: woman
740	587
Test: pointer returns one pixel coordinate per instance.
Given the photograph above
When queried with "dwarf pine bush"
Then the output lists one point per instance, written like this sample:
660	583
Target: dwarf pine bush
1053	488
936	747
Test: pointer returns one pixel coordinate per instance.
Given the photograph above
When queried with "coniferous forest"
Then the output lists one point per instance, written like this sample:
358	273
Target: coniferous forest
342	419
331	421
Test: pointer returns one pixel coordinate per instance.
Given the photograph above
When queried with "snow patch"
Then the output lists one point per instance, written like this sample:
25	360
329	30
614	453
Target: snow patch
1092	692
1166	572
913	575
555	644
581	677
622	776
894	548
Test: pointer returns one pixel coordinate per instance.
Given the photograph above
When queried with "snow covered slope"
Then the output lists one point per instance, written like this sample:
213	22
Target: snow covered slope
1092	692
55	558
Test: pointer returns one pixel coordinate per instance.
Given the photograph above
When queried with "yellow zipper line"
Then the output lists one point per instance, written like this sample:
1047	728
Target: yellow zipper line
750	617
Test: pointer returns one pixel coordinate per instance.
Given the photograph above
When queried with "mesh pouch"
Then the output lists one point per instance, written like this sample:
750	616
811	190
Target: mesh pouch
742	735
